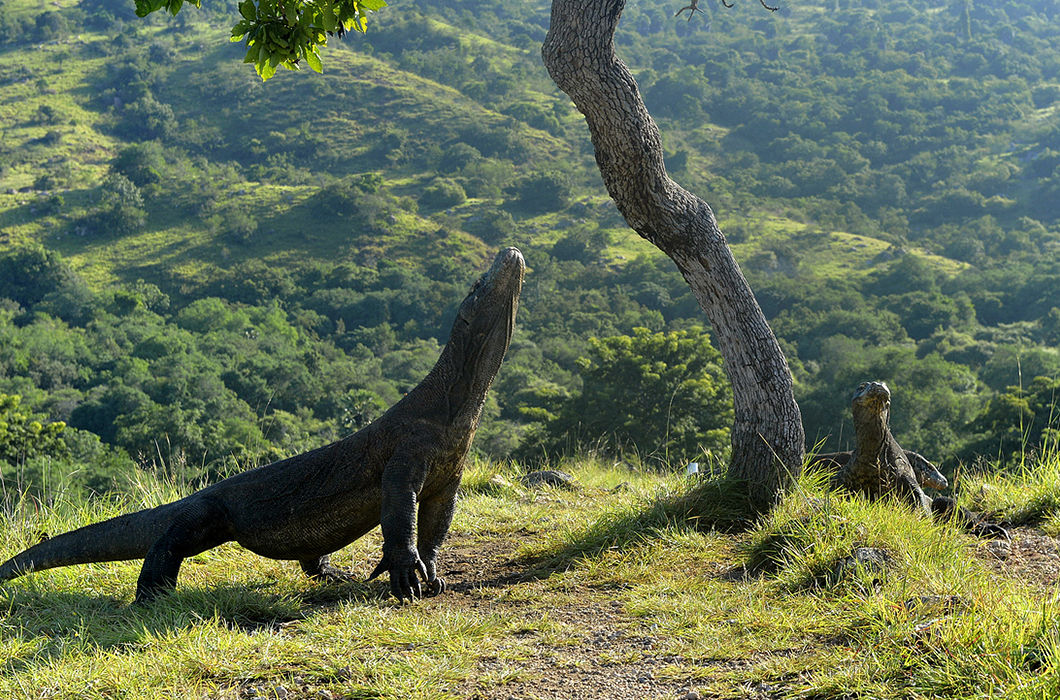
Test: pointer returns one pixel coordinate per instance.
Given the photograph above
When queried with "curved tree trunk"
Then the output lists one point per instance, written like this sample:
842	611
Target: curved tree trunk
767	436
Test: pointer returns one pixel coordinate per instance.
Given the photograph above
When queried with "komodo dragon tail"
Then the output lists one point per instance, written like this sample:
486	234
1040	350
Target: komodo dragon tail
124	537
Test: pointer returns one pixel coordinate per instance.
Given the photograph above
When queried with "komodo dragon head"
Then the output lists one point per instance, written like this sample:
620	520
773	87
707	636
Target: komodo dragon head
871	406
482	330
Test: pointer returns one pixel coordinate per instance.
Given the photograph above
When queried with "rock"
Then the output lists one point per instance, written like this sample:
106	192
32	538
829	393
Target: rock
1000	549
548	477
498	481
870	559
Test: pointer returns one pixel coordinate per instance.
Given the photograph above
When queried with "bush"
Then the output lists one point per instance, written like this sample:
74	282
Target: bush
120	209
542	192
141	163
443	193
25	435
29	273
491	225
660	393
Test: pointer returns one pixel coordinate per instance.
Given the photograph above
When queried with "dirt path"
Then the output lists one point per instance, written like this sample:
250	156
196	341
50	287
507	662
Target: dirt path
590	661
1031	557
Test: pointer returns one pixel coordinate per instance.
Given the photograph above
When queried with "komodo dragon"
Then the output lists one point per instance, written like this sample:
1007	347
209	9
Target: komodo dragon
878	465
305	507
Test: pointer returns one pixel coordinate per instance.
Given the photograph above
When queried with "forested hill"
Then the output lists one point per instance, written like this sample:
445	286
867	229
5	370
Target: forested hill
197	267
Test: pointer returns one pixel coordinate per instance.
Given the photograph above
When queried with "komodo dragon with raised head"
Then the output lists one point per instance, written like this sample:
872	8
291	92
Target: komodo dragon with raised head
305	507
878	465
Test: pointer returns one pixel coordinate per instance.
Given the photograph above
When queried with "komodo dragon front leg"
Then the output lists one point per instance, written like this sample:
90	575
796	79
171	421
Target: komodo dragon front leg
436	514
403	479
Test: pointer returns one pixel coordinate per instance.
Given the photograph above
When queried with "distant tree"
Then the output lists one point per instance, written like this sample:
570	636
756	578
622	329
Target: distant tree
359	408
141	163
542	192
50	25
664	394
491	225
1050	326
1020	420
582	244
29	273
442	193
121	207
457	156
24	434
147	118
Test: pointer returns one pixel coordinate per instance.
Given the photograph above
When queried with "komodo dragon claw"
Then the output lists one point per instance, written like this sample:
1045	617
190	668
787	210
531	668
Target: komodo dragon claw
403	580
435	586
332	574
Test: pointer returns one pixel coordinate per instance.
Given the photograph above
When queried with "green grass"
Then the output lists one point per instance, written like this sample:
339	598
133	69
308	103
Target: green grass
1027	494
555	586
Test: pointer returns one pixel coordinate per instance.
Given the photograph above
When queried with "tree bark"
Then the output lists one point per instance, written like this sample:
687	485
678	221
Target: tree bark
768	442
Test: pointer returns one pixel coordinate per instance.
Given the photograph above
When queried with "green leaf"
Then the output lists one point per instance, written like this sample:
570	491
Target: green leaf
266	70
313	60
146	7
248	9
327	18
373	5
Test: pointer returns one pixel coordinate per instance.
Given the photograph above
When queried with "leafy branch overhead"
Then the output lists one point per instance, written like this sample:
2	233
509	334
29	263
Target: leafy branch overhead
285	32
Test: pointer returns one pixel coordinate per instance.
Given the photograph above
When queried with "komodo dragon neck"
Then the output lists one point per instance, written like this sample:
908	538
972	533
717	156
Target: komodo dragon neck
871	410
455	389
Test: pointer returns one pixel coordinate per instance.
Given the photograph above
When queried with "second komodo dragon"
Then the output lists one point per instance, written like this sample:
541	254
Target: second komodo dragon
305	507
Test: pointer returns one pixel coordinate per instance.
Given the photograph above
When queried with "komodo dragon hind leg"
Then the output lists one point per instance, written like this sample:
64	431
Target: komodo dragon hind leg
199	526
320	569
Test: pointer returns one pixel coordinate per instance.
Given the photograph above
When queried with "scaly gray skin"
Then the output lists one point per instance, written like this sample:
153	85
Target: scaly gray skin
926	473
308	506
878	464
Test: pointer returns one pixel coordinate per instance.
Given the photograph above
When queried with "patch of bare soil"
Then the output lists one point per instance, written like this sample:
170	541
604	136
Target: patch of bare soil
608	654
1031	557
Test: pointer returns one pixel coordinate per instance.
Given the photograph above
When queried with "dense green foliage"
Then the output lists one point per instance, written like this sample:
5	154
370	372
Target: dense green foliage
199	268
23	435
640	388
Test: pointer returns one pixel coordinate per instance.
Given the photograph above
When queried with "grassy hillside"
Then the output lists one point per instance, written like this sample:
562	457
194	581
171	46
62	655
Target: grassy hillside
608	590
887	176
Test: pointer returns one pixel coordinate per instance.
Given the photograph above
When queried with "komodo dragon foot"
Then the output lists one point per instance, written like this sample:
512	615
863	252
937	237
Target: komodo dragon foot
945	509
322	570
404	582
